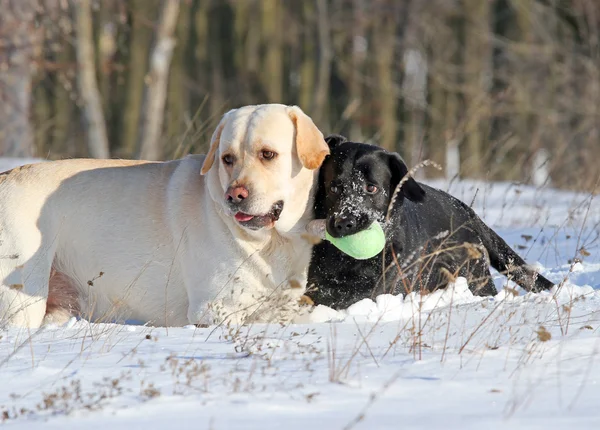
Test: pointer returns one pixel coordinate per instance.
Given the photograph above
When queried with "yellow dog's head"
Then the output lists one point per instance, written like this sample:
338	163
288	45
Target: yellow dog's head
265	157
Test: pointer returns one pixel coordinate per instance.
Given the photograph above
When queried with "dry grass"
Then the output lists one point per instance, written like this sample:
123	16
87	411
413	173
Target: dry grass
445	330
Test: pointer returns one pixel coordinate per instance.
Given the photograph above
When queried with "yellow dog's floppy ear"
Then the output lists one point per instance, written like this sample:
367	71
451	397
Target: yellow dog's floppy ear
214	145
310	144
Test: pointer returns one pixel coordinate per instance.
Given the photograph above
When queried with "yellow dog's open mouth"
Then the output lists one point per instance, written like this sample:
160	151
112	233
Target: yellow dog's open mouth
242	217
255	222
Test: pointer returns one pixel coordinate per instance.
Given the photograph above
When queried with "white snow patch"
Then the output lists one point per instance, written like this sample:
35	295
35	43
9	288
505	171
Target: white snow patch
438	361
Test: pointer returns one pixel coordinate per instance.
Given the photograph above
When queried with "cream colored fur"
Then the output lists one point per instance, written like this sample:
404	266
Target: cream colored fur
156	241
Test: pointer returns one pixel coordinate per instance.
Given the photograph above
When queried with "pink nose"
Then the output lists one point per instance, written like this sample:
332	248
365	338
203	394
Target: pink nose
236	194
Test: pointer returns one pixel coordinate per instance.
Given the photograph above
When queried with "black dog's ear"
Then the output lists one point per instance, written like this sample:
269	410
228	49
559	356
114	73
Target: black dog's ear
411	188
334	140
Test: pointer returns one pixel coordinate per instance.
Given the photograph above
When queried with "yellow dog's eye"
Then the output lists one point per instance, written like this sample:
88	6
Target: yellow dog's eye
228	159
267	155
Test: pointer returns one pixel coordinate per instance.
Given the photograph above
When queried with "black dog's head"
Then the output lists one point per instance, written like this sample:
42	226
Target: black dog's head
356	183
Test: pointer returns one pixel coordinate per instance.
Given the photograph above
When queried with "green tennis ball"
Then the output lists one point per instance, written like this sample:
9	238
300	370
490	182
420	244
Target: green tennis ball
362	245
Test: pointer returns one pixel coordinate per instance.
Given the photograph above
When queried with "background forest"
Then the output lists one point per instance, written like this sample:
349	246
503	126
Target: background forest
490	89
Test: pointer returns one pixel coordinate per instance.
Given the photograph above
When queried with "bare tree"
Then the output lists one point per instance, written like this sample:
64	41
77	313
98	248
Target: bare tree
324	70
358	59
384	41
307	68
273	64
18	36
141	39
88	85
157	81
477	68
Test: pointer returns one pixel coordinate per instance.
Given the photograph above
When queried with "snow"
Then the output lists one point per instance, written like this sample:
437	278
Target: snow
445	360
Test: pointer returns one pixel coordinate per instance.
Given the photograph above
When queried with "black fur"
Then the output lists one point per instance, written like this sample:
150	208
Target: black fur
431	235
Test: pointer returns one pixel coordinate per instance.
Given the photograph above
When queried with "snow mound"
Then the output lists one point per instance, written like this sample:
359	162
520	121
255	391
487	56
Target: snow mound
388	307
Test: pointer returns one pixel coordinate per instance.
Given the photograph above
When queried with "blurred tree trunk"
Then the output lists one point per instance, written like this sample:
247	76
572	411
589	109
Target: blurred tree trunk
414	84
241	24
524	87
384	40
216	85
156	88
359	54
177	99
414	90
19	37
201	61
110	75
438	133
453	132
42	120
477	78
445	132
272	18
106	47
88	86
252	46
42	115
308	67
64	94
242	34
321	97
143	13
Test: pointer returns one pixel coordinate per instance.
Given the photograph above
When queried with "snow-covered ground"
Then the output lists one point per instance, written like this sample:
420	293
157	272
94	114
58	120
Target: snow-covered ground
443	361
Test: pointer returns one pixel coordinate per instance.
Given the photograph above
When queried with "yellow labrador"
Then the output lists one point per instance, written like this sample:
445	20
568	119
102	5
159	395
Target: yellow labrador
197	240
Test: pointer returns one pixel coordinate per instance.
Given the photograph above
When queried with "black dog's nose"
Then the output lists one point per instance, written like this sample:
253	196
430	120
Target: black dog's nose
344	225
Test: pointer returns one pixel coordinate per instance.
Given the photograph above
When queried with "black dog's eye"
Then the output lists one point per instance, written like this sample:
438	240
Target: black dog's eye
371	189
228	159
334	189
267	155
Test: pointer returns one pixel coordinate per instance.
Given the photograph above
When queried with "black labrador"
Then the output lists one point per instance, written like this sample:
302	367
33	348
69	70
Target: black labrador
431	237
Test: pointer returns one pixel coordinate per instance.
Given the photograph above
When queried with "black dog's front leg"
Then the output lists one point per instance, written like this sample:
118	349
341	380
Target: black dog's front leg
338	295
337	280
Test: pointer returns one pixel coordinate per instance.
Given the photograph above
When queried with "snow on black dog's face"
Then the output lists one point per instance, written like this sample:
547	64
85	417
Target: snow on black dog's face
356	184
